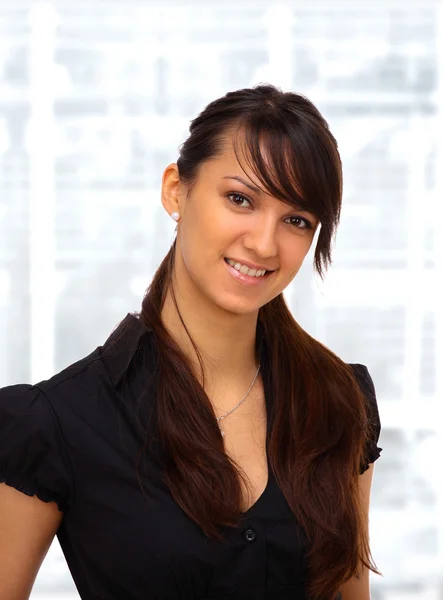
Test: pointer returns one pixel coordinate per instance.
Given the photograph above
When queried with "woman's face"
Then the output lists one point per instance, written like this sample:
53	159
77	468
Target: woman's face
223	220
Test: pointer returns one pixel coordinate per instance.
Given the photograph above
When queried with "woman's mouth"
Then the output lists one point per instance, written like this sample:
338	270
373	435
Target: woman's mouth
246	275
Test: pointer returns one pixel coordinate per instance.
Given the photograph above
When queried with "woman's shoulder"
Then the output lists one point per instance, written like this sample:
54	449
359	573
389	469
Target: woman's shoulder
366	383
81	391
42	424
106	368
364	379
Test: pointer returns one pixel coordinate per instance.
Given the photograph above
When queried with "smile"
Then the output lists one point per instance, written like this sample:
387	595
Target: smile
235	270
245	269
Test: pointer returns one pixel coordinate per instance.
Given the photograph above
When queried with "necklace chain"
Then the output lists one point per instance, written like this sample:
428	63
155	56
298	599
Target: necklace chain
238	404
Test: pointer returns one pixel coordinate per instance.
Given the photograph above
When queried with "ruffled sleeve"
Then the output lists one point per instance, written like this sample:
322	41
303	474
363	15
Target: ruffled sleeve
373	450
32	453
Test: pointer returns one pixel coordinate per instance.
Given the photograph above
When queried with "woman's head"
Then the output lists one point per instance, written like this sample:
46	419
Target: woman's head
278	144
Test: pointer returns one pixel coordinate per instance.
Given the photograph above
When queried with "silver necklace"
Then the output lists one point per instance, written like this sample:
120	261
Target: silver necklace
237	405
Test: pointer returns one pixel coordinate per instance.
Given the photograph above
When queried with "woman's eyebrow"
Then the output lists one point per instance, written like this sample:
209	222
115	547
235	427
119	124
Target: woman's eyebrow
244	182
258	191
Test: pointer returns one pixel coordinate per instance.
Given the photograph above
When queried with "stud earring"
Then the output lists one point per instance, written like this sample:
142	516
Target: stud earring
175	216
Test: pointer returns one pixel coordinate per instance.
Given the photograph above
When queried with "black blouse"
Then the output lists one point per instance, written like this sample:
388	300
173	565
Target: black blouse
74	439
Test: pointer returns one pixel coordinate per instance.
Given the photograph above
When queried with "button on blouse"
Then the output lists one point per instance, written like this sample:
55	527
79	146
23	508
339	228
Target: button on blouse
250	535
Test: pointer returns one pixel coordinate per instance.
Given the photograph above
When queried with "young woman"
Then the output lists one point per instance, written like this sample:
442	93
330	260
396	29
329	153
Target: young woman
211	448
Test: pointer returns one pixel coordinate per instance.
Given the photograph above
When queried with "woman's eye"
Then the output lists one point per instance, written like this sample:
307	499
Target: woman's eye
238	199
300	223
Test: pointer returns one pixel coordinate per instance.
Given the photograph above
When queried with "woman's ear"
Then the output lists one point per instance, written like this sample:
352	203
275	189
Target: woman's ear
171	189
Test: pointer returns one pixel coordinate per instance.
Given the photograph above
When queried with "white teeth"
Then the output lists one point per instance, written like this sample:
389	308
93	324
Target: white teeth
246	270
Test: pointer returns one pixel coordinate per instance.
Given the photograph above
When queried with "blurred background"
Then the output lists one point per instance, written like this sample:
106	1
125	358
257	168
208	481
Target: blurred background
95	98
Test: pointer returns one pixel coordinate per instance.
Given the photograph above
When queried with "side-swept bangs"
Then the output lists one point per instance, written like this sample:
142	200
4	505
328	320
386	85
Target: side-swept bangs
296	162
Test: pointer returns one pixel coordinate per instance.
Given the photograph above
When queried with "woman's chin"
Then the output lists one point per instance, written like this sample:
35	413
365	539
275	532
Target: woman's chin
237	306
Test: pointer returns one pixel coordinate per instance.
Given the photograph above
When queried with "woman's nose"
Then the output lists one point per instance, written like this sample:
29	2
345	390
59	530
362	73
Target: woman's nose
262	238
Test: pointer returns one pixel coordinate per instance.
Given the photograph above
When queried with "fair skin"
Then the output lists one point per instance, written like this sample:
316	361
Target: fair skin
27	528
359	588
221	217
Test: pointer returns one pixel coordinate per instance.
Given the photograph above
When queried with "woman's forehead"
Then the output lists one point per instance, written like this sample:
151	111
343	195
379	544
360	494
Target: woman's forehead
235	156
271	174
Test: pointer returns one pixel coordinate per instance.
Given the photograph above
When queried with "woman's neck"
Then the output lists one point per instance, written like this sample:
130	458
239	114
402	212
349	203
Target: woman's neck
226	340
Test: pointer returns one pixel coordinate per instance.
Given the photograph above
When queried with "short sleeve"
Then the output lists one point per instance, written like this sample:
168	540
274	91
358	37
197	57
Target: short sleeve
32	454
373	450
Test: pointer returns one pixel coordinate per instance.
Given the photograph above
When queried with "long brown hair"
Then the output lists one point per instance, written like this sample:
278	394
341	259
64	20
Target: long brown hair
318	426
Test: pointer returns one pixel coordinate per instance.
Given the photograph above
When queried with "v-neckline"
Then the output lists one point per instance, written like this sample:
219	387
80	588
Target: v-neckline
261	499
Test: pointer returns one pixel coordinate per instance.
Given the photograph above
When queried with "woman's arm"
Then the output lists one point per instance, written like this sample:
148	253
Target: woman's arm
358	588
27	528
